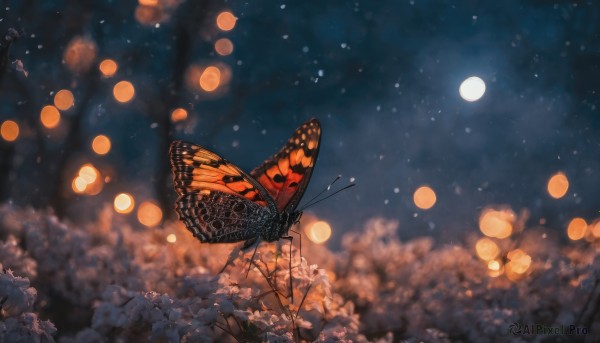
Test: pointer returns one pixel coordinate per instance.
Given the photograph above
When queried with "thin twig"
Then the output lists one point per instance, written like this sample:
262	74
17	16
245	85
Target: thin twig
303	298
220	326
283	308
590	309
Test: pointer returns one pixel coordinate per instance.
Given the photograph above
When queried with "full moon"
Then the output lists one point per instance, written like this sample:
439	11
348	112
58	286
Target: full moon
472	89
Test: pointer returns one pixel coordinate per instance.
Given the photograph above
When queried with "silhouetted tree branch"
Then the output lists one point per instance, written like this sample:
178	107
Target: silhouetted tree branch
10	36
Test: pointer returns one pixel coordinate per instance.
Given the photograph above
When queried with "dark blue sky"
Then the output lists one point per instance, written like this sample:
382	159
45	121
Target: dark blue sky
392	115
381	76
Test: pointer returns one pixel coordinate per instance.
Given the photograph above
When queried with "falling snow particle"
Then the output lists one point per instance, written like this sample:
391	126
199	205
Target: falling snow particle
396	190
236	127
153	125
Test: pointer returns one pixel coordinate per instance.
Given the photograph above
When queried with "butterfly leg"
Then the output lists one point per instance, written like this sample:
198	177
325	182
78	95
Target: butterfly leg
278	247
300	243
290	238
248	244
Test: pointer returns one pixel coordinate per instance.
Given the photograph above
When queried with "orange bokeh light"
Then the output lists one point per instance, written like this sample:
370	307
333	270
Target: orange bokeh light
88	173
124	203
498	224
94	188
79	185
518	264
178	114
64	100
108	67
226	21
88	180
148	2
495	268
520	261
123	91
595	229
558	185
9	130
424	197
80	54
150	14
210	79
149	214
101	145
487	249
171	238
224	47
50	117
318	232
576	229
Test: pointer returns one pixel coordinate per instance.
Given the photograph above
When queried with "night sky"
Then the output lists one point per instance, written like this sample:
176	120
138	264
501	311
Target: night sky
381	76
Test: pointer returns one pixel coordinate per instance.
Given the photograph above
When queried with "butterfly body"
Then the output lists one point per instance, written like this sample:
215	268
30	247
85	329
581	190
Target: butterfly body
228	219
220	203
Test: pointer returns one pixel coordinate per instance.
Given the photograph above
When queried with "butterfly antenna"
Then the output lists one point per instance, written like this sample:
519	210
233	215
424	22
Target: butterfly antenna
323	191
327	197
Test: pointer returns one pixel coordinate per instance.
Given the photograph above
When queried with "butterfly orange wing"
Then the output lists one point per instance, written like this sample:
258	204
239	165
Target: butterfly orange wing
199	170
217	201
285	176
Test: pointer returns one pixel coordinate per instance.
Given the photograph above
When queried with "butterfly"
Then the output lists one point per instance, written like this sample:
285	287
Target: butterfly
220	203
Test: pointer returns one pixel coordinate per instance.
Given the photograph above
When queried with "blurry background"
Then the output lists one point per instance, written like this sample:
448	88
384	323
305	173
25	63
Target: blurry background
92	93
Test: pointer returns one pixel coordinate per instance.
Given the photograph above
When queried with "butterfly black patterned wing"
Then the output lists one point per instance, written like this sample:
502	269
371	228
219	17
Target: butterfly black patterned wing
285	176
218	202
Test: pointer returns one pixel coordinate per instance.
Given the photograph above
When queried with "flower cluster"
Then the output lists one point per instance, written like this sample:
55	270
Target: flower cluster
123	283
19	323
109	281
416	289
